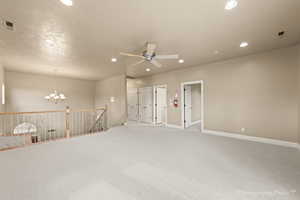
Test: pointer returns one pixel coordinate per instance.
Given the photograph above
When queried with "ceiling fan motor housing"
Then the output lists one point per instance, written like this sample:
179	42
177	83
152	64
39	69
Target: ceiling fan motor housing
147	56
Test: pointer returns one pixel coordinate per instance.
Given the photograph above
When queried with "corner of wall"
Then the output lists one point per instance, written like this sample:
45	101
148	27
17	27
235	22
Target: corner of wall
298	49
2	81
111	92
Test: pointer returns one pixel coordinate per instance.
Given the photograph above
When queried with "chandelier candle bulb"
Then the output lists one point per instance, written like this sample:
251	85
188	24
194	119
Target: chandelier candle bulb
67	2
55	97
230	4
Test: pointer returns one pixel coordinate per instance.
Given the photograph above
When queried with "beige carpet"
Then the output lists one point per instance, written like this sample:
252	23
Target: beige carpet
150	163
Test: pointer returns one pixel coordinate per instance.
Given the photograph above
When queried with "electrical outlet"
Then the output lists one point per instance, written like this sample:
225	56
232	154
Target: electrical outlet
243	130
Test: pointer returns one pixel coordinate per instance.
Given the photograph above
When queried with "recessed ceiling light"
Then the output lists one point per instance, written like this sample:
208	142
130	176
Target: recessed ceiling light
244	44
230	4
216	52
181	61
67	2
148	70
114	60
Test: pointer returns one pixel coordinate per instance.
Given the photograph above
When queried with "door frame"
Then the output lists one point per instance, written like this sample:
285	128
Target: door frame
154	104
182	102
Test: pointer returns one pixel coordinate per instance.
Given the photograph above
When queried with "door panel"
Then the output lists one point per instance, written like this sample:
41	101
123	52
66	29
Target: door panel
188	105
161	104
146	104
132	102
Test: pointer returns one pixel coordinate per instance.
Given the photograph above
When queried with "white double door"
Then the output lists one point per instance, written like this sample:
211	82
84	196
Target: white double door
148	104
145	104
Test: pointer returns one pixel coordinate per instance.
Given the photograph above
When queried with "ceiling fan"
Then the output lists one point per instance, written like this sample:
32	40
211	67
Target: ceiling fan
149	55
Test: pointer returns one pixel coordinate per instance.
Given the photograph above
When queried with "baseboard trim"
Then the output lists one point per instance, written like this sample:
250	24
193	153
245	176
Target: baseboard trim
252	138
196	122
173	126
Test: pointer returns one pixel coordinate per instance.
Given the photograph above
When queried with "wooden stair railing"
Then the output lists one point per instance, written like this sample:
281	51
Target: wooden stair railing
98	125
50	125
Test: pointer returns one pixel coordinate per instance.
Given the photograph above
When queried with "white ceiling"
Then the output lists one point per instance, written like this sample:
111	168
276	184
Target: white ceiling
79	41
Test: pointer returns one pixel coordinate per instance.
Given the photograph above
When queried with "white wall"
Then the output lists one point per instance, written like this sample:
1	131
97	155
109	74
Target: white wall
113	87
26	92
2	81
2	107
257	92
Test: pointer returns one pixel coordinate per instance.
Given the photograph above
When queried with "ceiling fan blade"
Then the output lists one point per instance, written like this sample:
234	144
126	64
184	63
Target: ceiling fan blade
131	55
167	57
157	64
151	48
140	62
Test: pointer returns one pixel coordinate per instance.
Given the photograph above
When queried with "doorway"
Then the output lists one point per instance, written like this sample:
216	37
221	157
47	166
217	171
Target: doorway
160	105
192	106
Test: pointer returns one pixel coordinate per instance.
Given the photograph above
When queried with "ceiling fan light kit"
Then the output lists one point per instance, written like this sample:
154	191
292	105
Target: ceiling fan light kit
149	55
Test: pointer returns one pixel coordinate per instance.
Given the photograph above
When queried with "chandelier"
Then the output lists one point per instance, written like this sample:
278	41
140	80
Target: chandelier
56	97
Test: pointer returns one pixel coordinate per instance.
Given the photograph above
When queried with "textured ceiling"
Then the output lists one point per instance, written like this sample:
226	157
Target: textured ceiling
79	41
